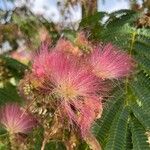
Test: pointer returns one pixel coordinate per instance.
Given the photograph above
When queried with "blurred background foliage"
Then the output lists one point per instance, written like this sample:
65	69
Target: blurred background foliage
125	123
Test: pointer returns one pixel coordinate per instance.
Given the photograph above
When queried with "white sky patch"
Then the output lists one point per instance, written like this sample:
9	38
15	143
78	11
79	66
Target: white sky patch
123	5
50	11
47	8
113	5
5	47
20	3
75	13
6	6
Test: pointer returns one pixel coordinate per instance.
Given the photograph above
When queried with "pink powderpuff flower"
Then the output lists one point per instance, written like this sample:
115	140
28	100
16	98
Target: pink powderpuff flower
46	64
63	72
73	84
83	113
91	110
41	61
71	79
16	120
109	63
42	68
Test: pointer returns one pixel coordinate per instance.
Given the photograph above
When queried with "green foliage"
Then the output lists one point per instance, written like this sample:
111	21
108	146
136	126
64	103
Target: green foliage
125	119
138	136
2	146
83	146
38	140
55	145
16	68
8	88
9	94
102	127
52	145
118	131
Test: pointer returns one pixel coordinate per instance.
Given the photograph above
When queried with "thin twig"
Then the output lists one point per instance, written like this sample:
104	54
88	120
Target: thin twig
43	144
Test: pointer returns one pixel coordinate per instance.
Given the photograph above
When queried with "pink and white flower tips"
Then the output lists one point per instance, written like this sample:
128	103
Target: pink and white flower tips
41	61
89	112
73	81
83	113
77	89
110	63
16	120
70	80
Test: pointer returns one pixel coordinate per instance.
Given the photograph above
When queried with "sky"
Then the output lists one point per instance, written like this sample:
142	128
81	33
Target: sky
113	5
49	10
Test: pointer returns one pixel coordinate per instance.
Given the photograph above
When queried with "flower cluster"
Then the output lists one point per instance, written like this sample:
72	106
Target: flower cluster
109	63
16	120
74	83
65	87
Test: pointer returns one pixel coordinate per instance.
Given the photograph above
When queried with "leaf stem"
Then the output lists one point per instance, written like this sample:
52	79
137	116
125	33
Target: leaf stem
132	42
43	144
2	135
133	36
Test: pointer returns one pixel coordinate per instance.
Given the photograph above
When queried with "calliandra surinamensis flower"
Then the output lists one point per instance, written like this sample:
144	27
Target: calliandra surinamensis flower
41	61
86	113
109	63
71	82
16	120
91	110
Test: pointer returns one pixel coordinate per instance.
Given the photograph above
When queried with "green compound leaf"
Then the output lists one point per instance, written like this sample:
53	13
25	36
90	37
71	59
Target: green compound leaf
118	131
139	137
